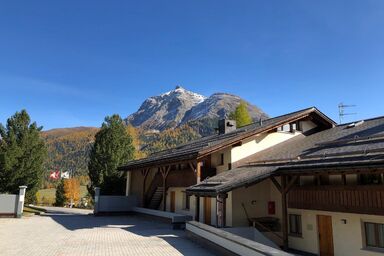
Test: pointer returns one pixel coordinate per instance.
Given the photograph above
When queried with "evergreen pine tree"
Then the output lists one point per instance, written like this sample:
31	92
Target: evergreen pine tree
112	148
241	115
22	155
60	194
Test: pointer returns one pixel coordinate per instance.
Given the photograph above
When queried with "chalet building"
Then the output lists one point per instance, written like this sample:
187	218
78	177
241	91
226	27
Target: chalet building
302	181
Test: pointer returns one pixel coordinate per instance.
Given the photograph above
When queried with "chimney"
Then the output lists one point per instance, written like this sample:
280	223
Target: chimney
226	126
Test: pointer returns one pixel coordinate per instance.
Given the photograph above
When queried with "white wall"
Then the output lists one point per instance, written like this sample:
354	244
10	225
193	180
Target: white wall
261	142
8	203
255	199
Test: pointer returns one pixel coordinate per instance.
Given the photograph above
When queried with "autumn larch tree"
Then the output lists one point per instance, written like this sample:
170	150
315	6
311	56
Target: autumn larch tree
241	115
72	190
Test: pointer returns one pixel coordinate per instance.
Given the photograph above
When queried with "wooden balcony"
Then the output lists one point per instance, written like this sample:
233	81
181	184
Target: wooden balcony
368	199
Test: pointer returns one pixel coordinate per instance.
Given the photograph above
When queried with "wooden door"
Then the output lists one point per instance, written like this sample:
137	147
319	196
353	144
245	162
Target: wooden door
207	210
173	199
324	229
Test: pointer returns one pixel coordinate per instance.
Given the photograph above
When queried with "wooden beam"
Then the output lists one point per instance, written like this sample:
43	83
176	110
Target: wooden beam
284	212
164	172
193	167
144	172
276	183
221	210
291	183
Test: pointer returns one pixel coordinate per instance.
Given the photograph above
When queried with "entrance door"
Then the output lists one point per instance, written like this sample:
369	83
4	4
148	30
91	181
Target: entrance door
324	227
207	210
173	199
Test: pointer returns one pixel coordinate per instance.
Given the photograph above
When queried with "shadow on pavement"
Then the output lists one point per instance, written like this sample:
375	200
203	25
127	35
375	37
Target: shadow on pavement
142	226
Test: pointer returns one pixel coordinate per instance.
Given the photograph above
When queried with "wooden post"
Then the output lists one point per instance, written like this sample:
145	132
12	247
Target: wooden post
197	209
284	189
164	172
145	174
284	212
220	210
344	179
198	171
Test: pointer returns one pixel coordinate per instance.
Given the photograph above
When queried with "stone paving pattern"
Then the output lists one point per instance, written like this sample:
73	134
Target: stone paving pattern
75	232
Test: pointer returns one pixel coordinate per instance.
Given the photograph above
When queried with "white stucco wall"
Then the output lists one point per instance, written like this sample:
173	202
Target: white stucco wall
261	142
347	238
255	199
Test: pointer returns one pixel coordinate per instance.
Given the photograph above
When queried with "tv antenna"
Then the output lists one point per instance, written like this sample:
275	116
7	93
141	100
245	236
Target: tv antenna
342	107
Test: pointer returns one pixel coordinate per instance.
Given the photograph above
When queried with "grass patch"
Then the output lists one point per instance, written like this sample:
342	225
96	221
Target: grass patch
48	196
28	211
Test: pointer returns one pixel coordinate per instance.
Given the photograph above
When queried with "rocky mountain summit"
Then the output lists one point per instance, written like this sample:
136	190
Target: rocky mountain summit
180	106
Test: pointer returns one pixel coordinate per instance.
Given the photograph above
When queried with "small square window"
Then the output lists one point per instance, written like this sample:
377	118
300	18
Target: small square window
295	225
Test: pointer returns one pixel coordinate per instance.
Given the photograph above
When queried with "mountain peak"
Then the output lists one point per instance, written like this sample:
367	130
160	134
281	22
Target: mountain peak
180	106
180	91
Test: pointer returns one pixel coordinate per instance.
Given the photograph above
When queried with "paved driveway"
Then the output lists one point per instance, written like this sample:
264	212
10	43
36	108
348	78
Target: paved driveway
74	232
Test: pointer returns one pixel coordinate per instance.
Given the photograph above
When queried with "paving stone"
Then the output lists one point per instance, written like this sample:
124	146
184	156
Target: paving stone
74	232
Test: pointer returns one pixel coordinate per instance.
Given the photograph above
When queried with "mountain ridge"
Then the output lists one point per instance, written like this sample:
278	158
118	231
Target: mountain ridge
180	106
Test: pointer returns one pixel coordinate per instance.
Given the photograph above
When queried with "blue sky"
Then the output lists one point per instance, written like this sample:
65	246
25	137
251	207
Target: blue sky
71	63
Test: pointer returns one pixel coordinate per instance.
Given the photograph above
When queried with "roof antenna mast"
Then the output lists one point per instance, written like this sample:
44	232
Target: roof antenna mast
342	107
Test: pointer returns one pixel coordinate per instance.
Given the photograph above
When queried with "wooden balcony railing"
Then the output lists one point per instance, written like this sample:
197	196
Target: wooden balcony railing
368	199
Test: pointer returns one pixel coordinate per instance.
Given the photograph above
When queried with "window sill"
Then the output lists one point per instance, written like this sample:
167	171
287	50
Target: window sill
296	235
373	249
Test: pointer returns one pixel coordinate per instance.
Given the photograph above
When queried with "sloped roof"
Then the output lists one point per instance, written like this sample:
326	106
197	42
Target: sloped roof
343	145
207	145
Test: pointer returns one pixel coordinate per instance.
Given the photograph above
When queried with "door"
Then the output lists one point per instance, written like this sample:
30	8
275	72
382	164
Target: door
173	198
207	210
324	229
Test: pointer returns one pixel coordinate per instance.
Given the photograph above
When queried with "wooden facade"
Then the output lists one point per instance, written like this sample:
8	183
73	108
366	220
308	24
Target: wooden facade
362	199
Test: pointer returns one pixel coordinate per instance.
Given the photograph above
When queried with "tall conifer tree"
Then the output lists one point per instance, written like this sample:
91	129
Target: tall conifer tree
22	155
112	148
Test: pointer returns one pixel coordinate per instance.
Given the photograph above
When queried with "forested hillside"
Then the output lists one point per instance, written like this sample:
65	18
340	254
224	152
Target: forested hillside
68	148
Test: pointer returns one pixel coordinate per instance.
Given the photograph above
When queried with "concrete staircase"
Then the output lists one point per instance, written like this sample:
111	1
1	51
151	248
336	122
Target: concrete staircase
156	199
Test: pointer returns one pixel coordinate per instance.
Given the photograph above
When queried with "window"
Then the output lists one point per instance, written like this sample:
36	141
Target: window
374	234
221	159
186	201
370	179
295	224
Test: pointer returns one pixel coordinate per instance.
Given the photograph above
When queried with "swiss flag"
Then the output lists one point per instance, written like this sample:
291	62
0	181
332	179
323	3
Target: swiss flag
54	175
